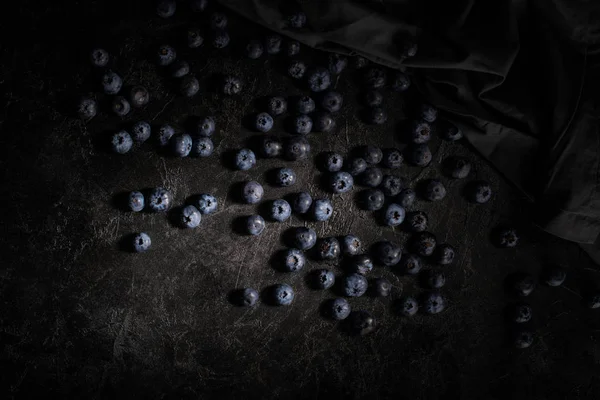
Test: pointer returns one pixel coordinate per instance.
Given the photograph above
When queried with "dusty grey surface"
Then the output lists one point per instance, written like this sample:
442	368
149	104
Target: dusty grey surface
80	318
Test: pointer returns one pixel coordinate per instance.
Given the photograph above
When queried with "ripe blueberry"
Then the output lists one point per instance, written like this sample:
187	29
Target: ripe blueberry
252	192
248	297
245	159
285	177
407	306
120	106
355	166
392	158
160	200
293	260
354	285
121	142
417	221
393	215
322	209
361	264
189	86
332	102
282	294
305	105
271	147
522	283
165	133
292	48
206	203
337	309
433	303
333	161
372	177
401	82
190	217
301	202
296	69
276	105
444	254
280	210
406	198
554	275
429	113
351	245
220	39
381	287
141	242
410	264
387	253
323	122
263	122
434	190
323	279
304	238
371	199
181	144
99	57
202	147
423	243
341	182
302	124
391	185
319	79
87	108
232	85
328	248
166	8
479	192
361	323
377	116
337	63
296	148
255	225
205	126
179	69
457	167
218	21
419	155
420	132
166	55
372	155
450	132
111	83
433	279
135	201
194	39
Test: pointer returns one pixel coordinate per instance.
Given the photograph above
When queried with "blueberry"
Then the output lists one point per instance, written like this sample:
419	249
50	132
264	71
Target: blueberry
305	105
444	254
179	69
194	39
166	8
189	86
220	39
507	237
293	260
428	113
205	126
377	116
160	200
433	279
135	201
381	287
202	147
292	48
433	303
450	132
479	192
181	144
592	301
419	155
332	101
190	217
198	5
341	182
354	285
373	98
337	309
337	63
120	106
270	147
254	49
296	69
420	132
371	199
297	20
232	85
372	154
282	294
323	279
280	210
520	313
522	339
304	238
417	221
111	83
457	167
276	105
218	21
360	62
361	264
351	245
302	124
99	57
522	283
165	132
410	264
324	122
401	82
392	158
410	49
248	297
406	198
252	192
408	306
245	159
296	148
372	177
423	243
121	142
141	242
206	203
273	44
322	209
387	253
263	122
361	323
166	55
355	166
393	215
434	190
333	162
255	225
301	202
319	79
87	108
285	177
375	78
391	185
554	275
328	248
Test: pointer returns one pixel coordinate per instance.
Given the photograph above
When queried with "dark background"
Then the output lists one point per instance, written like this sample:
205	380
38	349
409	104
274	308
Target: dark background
79	318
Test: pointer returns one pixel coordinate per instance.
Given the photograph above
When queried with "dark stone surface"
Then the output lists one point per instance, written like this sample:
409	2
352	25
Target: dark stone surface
80	318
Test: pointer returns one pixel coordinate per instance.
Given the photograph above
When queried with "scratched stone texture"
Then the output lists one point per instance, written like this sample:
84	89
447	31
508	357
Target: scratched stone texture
80	318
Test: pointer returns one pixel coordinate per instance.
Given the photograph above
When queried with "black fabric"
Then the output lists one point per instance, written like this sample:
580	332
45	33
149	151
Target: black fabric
519	77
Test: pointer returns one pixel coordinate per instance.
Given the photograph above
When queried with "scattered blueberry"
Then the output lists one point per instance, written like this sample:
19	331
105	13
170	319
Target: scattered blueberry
417	221
328	248
206	203
276	105
194	39
297	69
337	309
190	217
424	243
324	122
296	148
520	313
522	339
554	275
220	39
245	159
198	5
305	105
393	215
410	49
218	21
507	237
392	158
165	132
522	283
139	96
434	190
377	116
354	285
179	69
371	199
254	49
99	57
429	113
285	177
166	8
419	155
375	78
373	98
444	254
433	279
361	264
319	79
120	106
372	154
280	210
302	124
205	126
304	238
263	122
283	294
166	55
420	132
360	62
202	147
271	147
333	162
111	83
433	303
337	63
410	264
322	209
293	260
479	192
391	185
406	198
293	48
372	177
408	306
255	225
252	192
381	287
356	166
248	297
351	245
450	132
181	144
189	86
141	242
87	108
323	279
592	301
457	167
361	323
301	202
341	182
332	101
273	44
387	253
135	201
160	200
401	82
121	142
232	85
297	20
